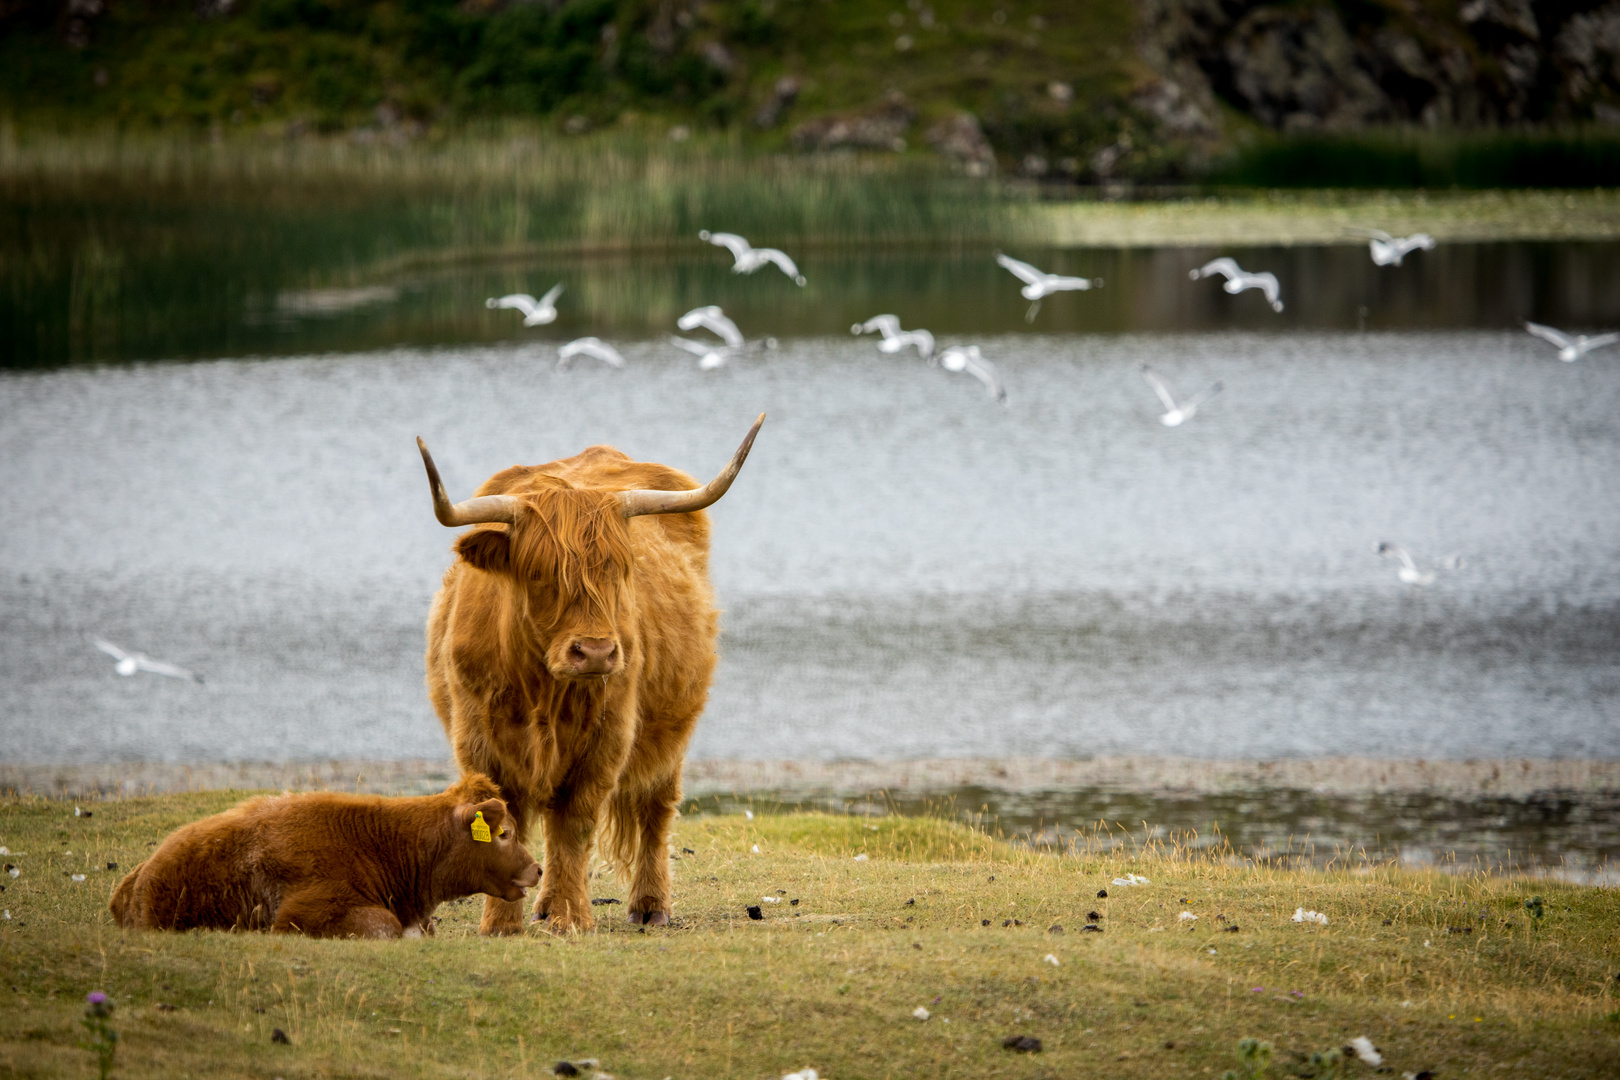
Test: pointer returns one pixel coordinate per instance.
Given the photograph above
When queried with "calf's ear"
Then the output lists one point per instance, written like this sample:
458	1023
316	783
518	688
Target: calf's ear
494	811
486	549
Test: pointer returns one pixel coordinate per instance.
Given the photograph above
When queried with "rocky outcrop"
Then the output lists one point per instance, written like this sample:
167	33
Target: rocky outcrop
882	127
1319	65
962	140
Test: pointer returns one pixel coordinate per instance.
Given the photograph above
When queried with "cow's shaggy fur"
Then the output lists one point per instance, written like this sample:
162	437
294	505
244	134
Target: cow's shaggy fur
568	748
329	865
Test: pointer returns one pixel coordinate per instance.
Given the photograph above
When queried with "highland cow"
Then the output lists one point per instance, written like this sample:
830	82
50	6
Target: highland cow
569	656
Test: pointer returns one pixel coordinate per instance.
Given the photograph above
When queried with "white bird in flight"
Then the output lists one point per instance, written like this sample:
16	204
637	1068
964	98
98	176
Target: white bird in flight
1389	250
712	319
1570	349
588	346
1237	279
1175	415
749	258
712	354
1409	572
894	338
535	312
129	663
1038	283
967	358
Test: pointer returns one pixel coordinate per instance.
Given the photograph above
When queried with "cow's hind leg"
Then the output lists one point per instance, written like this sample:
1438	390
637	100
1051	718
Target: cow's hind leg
641	820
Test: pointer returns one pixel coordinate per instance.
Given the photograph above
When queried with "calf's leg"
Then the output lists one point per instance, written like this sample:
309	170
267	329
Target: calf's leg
332	910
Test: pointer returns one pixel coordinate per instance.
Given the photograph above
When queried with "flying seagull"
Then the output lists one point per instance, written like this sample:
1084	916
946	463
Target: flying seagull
588	346
966	358
1038	283
535	312
894	338
1176	415
129	663
749	258
712	319
1409	571
1570	349
712	354
1389	250
1237	279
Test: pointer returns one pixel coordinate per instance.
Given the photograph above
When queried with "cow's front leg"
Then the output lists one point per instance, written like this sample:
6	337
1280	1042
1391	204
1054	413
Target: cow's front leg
570	826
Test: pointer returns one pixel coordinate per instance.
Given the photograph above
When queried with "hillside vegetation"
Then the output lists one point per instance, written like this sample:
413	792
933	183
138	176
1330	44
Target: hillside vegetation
1449	975
1109	89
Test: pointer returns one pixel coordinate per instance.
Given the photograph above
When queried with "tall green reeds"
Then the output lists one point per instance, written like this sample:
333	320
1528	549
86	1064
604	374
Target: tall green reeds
511	187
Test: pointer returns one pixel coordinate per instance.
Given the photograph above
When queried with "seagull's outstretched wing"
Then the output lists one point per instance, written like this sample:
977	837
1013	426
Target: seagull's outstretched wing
1267	283
110	649
589	346
1369	234
1203	397
712	319
1159	388
550	299
986	373
1072	284
521	301
968	359
1548	334
158	667
730	241
887	325
1395	551
1021	270
1223	265
785	264
922	339
1601	341
1412	243
696	348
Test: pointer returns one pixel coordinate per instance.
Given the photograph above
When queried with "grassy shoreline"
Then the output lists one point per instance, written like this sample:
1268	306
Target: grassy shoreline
515	191
1446	973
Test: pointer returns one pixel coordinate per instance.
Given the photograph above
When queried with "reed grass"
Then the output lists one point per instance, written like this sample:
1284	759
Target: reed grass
514	186
1449	973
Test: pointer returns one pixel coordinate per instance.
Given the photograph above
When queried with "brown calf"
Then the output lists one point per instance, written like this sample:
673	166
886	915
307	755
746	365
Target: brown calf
330	865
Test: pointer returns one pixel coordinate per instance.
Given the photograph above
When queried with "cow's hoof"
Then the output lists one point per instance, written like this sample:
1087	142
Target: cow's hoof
649	918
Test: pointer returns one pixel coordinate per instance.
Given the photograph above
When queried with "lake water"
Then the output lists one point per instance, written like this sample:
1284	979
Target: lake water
907	569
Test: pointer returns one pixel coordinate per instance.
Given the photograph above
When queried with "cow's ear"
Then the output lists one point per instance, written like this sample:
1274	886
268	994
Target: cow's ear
487	549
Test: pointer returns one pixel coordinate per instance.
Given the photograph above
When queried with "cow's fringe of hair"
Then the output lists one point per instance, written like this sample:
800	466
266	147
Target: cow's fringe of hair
578	540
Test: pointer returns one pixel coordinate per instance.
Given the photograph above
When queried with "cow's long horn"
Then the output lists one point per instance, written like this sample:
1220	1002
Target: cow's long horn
641	502
477	511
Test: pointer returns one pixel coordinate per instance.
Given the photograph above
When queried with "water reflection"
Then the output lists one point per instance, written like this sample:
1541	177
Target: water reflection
1575	838
131	296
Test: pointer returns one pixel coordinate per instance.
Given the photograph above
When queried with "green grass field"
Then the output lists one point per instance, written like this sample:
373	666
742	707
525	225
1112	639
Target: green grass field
1449	974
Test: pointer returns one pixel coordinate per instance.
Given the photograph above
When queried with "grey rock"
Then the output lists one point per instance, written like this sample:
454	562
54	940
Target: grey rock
961	139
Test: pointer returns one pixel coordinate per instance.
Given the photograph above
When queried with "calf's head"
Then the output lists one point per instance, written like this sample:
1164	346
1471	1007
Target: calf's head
566	551
484	855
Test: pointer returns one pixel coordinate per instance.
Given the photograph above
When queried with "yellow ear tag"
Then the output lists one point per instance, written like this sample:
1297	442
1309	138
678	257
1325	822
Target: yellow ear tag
480	827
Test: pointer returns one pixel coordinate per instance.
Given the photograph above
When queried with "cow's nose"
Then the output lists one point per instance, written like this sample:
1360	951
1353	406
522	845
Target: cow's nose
594	656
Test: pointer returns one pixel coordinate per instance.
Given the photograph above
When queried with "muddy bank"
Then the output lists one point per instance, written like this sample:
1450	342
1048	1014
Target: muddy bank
1489	778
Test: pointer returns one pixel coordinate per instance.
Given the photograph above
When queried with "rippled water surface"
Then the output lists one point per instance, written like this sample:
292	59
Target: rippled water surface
907	569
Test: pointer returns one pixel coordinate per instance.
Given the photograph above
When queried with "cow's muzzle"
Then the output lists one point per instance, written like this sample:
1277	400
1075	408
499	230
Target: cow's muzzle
593	656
